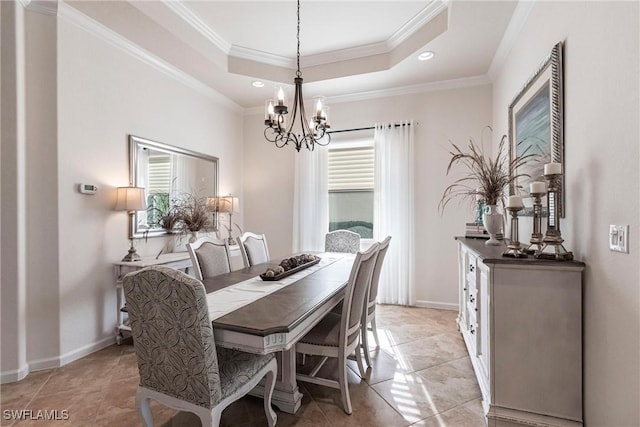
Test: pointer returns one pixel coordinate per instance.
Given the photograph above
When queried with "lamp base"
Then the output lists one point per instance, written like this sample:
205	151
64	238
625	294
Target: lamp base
132	255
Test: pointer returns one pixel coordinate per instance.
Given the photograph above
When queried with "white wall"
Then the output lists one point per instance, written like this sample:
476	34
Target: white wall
456	115
601	134
105	94
84	96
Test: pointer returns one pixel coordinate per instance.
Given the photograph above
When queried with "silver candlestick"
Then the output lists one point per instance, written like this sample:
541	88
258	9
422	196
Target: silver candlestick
552	247
514	250
535	244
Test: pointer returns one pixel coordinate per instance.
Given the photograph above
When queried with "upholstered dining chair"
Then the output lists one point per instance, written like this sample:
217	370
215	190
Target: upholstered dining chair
209	257
342	241
338	335
369	310
253	248
178	361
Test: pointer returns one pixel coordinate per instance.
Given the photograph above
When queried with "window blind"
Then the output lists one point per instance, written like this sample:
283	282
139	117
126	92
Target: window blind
351	168
159	175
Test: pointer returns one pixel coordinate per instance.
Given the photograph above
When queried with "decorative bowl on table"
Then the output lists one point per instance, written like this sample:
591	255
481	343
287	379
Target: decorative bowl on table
288	266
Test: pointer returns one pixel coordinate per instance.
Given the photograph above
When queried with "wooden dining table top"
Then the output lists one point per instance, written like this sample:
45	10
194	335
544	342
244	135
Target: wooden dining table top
286	308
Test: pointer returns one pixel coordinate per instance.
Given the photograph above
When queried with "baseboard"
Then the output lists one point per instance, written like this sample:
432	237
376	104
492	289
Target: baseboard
14	375
86	350
56	361
438	305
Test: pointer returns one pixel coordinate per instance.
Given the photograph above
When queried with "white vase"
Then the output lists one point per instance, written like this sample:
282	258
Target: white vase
193	237
492	221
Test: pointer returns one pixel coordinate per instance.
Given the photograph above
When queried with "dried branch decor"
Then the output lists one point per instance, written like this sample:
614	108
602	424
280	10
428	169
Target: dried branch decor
487	177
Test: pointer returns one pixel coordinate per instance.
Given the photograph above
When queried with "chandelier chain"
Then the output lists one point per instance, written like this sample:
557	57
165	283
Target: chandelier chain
298	73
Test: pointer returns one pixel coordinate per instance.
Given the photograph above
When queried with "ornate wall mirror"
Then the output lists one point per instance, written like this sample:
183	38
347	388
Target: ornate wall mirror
169	175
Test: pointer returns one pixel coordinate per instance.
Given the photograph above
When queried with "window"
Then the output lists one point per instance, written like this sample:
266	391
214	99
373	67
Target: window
158	187
351	180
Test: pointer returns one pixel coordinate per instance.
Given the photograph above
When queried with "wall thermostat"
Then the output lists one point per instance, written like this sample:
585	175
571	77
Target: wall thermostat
88	188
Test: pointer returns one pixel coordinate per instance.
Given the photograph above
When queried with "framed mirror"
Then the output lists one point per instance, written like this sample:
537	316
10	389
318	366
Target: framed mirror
169	176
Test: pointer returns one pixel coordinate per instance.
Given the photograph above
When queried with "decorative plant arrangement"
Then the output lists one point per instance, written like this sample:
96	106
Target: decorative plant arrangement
185	213
486	177
195	213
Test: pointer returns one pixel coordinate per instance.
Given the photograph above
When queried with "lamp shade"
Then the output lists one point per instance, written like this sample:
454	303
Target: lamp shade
228	204
130	199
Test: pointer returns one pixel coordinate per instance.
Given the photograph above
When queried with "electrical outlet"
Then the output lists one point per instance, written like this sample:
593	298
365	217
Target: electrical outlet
619	238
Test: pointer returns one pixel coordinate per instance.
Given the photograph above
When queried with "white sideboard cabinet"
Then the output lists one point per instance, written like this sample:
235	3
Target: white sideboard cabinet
521	320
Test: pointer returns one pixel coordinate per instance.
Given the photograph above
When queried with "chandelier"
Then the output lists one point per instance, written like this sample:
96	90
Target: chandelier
312	132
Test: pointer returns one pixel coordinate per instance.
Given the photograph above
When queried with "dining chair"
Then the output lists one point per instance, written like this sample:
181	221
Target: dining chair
210	257
342	241
338	335
178	361
253	248
369	309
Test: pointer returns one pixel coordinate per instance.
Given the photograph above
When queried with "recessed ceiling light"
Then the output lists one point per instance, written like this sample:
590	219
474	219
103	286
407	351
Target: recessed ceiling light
257	83
425	56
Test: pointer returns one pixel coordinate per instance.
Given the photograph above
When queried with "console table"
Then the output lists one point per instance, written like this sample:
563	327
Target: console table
521	321
177	260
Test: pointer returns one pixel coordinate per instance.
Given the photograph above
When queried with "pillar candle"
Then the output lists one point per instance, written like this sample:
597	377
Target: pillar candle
514	202
552	169
537	187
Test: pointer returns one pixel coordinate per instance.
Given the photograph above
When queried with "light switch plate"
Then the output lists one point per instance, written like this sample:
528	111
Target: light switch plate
619	238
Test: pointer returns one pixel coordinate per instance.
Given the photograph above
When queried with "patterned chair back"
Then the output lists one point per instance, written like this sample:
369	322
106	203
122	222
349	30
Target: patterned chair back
342	241
172	334
356	292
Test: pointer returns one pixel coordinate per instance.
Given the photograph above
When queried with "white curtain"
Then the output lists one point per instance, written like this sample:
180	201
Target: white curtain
311	200
393	212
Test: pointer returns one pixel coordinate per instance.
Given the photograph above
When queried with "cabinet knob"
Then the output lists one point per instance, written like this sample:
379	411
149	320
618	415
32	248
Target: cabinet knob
464	289
473	331
472	299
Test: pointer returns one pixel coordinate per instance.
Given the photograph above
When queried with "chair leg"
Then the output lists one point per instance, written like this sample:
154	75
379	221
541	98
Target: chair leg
374	329
142	404
363	372
365	345
344	386
269	384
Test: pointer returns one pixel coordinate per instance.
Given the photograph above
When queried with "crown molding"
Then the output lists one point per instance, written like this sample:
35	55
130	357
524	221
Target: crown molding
45	7
262	57
403	33
516	24
190	17
399	91
109	36
421	19
411	90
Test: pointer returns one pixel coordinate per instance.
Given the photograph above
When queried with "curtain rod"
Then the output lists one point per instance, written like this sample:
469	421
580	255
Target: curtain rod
369	128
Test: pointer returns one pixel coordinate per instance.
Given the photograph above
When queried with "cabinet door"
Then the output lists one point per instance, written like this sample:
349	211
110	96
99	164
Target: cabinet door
463	288
484	328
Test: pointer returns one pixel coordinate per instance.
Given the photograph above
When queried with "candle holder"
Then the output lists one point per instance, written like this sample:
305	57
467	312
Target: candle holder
535	244
552	247
514	250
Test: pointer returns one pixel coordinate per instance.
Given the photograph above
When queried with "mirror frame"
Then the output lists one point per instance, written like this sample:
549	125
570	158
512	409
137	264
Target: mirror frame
135	143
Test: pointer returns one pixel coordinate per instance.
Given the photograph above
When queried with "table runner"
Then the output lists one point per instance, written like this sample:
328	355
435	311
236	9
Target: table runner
226	300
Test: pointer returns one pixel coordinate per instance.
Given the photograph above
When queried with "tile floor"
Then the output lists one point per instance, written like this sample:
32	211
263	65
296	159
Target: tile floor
421	376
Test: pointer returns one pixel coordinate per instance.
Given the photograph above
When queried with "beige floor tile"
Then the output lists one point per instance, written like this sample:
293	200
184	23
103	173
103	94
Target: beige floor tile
460	416
410	396
421	373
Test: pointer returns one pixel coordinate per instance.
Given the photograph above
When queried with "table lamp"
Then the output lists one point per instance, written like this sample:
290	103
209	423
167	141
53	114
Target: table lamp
131	199
228	205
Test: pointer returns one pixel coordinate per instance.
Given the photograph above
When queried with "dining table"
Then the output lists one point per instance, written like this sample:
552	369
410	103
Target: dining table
252	315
